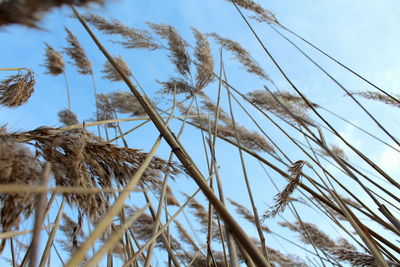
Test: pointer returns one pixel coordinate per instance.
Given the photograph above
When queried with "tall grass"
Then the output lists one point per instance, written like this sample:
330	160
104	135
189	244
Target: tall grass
97	181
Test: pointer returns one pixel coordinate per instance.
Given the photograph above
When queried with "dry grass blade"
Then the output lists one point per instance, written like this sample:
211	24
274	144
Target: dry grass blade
54	62
204	60
6	235
242	55
176	45
50	240
262	14
283	197
133	38
29	12
39	216
77	53
67	117
17	89
378	97
112	74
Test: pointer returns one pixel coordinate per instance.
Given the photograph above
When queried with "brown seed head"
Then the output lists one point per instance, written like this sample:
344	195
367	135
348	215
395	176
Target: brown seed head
54	61
283	197
67	117
17	89
112	74
262	14
77	53
242	55
204	60
176	45
379	97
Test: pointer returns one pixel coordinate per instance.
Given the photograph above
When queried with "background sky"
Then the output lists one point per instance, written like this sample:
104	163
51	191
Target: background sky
363	34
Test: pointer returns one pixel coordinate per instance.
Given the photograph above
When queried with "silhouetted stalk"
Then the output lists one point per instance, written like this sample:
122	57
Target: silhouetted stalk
68	93
248	187
342	87
384	174
338	62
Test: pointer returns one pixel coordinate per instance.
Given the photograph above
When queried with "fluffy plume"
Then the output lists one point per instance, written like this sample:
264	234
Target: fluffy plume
246	213
54	61
67	117
143	228
379	97
105	109
176	45
296	105
262	14
249	139
112	74
340	251
283	197
73	231
169	196
77	53
178	85
204	60
29	12
242	55
355	258
133	38
17	166
201	261
17	89
184	235
337	151
82	159
126	102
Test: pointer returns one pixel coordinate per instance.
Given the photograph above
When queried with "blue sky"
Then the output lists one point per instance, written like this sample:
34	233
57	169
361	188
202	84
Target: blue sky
362	34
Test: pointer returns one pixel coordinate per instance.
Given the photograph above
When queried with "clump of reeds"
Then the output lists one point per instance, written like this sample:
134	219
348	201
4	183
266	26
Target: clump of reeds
82	159
67	117
266	101
54	61
379	97
132	38
262	14
78	54
283	197
112	74
17	89
242	55
17	166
